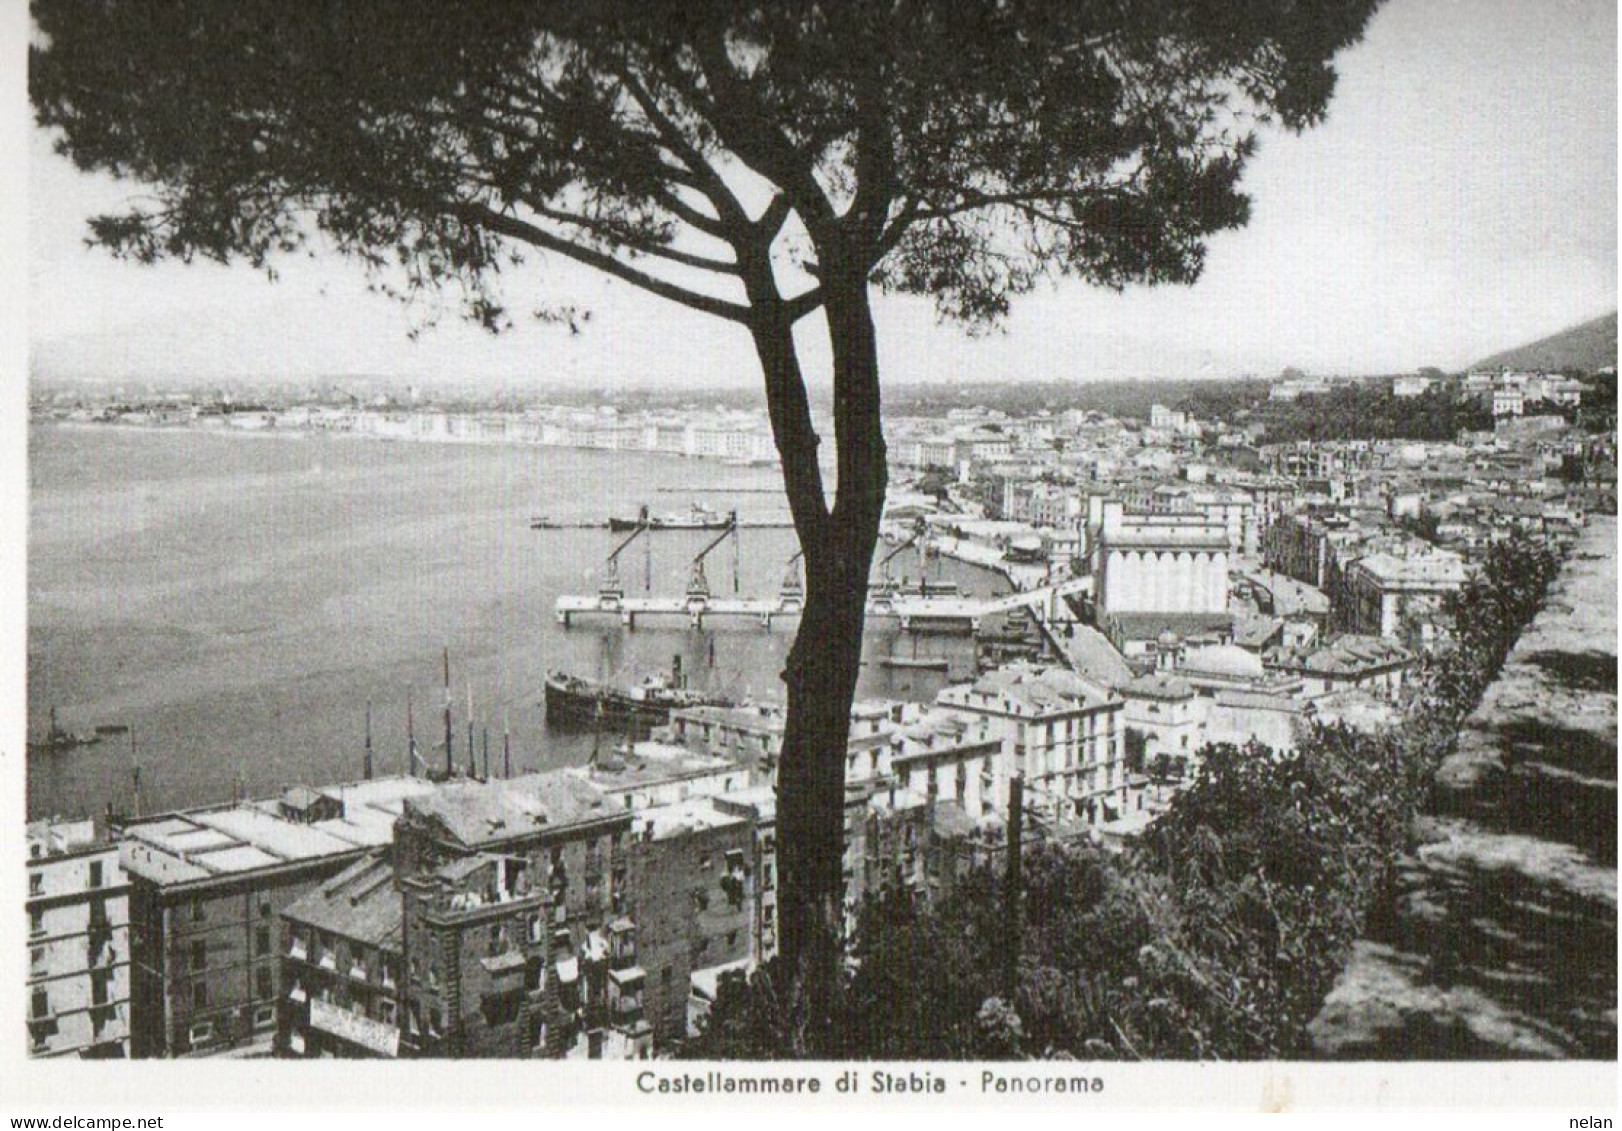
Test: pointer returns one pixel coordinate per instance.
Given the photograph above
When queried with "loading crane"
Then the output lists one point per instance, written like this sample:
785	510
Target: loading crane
887	588
698	585
612	590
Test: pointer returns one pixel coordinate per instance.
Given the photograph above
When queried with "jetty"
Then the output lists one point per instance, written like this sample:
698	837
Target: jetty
918	613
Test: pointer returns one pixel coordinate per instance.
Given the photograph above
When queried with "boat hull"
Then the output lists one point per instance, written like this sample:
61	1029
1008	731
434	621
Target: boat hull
573	704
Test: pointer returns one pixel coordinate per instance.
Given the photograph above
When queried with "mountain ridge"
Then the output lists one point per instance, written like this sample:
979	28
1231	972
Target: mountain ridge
1588	346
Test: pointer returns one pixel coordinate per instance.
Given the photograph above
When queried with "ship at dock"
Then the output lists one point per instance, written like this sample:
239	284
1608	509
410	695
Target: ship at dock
572	701
696	517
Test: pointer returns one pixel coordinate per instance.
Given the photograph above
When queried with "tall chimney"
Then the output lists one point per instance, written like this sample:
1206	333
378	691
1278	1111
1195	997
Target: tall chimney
366	767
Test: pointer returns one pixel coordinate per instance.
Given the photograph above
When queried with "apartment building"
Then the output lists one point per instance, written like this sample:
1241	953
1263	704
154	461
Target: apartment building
207	891
78	941
1063	733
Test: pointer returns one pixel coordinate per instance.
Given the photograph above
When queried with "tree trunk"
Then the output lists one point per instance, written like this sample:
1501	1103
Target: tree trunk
825	661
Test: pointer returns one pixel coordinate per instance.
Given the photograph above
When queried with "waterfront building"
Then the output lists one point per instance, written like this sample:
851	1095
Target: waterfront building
693	902
207	890
78	941
951	756
751	736
1163	563
647	774
1161	573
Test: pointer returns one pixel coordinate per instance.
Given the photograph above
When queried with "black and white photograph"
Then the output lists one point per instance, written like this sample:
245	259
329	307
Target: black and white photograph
956	553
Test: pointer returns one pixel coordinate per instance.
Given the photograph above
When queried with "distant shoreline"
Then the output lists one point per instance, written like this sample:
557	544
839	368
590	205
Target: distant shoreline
307	434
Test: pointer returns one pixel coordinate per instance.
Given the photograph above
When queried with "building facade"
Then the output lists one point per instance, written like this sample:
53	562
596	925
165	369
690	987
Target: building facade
78	942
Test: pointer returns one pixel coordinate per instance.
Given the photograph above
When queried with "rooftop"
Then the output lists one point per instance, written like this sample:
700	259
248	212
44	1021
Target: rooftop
358	903
1040	690
649	763
55	837
231	840
478	813
694	815
1438	568
1159	686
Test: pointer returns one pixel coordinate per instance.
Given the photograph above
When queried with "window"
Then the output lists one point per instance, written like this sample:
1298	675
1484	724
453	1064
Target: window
41	1006
36	957
202	1032
199	994
196	911
36	883
261	941
95	873
262	982
98	987
264	907
36	921
199	954
264	1015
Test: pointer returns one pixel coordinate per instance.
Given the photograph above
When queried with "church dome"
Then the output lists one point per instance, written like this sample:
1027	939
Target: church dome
1224	660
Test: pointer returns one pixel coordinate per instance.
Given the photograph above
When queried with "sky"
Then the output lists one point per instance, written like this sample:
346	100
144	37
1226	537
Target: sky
1460	199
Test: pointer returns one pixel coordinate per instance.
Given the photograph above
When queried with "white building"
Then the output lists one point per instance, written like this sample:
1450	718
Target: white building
951	756
1162	563
1063	733
78	942
1385	592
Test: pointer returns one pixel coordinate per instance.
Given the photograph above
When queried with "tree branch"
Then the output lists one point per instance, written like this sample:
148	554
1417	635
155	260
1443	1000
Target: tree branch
802	304
614	233
514	228
716	191
745	127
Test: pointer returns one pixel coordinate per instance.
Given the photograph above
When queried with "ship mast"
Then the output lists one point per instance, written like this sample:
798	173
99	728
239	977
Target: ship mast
450	767
411	739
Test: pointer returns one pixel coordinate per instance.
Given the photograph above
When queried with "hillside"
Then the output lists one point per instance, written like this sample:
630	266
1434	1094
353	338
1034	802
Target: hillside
1588	347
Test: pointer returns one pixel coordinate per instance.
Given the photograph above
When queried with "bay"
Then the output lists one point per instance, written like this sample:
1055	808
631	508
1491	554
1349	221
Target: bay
238	600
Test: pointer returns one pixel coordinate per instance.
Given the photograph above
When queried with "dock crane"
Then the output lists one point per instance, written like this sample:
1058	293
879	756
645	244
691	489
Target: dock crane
698	585
887	588
612	590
